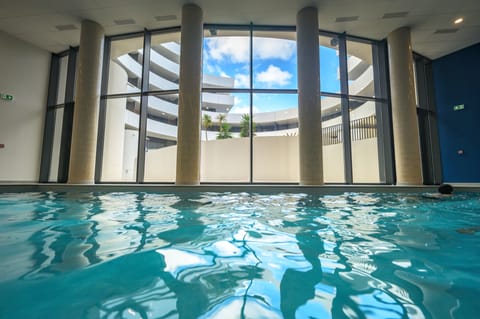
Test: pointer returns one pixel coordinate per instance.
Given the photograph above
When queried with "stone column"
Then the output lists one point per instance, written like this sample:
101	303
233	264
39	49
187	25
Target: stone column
87	100
309	109
404	113
189	105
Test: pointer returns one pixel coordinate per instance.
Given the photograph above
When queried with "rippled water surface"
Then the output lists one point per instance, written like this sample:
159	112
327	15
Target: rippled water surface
239	255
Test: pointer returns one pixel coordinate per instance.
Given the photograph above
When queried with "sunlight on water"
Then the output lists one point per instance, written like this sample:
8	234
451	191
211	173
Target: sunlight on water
238	255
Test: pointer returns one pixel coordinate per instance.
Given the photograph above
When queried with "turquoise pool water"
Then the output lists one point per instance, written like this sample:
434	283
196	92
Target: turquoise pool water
239	255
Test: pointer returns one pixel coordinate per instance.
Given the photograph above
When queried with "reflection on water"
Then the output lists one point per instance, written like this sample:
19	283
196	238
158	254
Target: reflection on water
237	255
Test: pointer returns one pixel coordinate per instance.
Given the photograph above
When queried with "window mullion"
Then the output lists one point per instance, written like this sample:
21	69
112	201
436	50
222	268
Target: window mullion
347	149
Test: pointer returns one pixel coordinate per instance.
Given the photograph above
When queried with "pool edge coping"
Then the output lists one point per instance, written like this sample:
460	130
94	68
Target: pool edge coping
324	189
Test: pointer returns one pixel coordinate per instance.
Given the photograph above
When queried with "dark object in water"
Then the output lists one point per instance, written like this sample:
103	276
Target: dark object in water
469	230
445	189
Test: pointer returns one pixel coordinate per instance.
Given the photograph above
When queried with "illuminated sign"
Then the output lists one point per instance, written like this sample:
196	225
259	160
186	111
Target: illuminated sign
6	97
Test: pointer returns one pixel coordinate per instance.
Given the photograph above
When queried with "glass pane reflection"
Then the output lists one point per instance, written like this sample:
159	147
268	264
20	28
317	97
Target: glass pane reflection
225	140
275	143
274	60
332	139
125	69
161	138
363	133
121	140
360	69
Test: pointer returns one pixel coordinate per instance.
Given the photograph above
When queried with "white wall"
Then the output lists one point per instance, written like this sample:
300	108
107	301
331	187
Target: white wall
24	73
365	161
275	160
226	160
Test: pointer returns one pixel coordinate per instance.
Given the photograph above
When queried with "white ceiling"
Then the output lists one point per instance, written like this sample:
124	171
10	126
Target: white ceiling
35	21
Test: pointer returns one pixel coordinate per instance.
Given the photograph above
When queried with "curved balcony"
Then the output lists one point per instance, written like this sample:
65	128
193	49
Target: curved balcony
363	85
154	128
164	76
163	66
217	101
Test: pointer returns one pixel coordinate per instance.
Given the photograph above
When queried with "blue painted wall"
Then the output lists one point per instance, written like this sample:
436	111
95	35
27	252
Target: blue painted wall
457	81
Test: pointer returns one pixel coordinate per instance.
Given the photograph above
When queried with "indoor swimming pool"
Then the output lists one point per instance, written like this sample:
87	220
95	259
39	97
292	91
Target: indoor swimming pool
238	255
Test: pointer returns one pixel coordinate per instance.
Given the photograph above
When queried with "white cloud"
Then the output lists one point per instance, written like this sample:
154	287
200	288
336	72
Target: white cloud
237	100
242	81
235	48
241	110
268	48
206	61
244	109
274	75
238	48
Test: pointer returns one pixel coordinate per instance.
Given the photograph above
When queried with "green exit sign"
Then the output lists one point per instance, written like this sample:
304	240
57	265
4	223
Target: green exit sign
6	97
459	107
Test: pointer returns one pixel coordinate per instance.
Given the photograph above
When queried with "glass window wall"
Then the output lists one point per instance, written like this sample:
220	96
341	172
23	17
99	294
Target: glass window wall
364	143
274	102
249	107
332	140
225	135
57	136
329	64
226	140
62	79
59	117
274	60
275	143
161	138
142	108
125	66
360	69
121	140
164	62
226	58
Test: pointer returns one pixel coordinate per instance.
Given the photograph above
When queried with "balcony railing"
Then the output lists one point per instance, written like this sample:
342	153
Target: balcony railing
360	129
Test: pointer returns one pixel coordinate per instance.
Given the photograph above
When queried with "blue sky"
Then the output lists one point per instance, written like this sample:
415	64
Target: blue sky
274	67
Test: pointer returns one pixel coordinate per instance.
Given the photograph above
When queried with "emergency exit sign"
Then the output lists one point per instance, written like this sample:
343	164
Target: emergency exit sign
459	107
6	97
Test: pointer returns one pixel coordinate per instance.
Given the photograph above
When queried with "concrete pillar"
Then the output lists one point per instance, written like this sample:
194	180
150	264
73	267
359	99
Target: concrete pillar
87	99
189	105
309	109
404	113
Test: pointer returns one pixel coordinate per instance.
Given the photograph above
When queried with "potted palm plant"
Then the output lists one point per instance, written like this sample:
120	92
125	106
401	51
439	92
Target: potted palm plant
206	123
224	128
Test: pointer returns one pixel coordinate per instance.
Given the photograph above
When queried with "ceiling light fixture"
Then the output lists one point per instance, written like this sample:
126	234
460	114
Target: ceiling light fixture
392	15
166	17
445	31
65	27
458	20
124	21
346	19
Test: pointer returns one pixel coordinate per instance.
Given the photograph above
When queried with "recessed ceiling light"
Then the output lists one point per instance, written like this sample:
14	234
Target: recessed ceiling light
65	27
346	19
166	18
445	31
392	15
124	21
458	20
